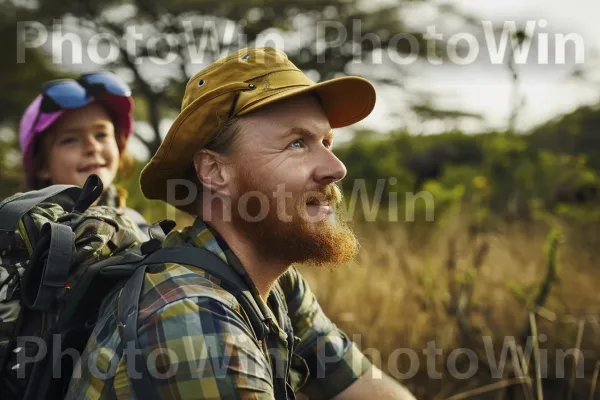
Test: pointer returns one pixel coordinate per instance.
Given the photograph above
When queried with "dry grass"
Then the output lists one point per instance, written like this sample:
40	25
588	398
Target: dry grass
454	288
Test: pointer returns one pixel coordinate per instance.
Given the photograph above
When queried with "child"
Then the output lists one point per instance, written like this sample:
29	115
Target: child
78	127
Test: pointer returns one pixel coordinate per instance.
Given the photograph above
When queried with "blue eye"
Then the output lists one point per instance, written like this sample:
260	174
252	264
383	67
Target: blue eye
299	141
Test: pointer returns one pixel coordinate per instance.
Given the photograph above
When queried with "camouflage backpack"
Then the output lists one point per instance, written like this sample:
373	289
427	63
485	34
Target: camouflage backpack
51	241
60	259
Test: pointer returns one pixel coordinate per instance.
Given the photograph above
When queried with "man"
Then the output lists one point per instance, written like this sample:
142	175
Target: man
254	136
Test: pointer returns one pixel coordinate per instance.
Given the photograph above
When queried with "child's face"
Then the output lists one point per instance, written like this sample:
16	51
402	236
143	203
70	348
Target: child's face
80	143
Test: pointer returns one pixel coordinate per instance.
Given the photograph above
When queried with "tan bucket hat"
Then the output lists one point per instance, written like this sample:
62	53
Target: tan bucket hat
235	85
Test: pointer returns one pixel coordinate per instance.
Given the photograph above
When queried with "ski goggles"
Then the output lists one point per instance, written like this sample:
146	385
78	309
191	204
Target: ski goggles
64	94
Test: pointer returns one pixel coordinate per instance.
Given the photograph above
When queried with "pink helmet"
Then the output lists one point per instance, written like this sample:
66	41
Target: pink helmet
63	95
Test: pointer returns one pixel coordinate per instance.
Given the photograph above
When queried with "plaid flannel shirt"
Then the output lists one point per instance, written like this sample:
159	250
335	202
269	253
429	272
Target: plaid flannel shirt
199	343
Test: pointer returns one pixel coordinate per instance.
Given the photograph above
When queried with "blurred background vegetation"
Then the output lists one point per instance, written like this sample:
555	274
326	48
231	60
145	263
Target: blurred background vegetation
516	216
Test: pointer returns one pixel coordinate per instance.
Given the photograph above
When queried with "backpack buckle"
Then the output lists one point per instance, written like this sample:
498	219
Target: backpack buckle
150	246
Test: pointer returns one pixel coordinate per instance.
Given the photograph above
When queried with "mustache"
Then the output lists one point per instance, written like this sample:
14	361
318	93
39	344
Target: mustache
329	194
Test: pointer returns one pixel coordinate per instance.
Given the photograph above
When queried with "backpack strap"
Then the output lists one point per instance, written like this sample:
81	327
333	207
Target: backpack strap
90	192
14	208
77	199
128	306
48	272
127	314
230	280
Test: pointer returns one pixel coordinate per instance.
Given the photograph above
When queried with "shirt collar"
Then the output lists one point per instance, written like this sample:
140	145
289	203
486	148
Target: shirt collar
201	234
113	197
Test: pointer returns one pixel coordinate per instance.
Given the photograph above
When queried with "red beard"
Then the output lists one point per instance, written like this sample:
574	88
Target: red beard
297	238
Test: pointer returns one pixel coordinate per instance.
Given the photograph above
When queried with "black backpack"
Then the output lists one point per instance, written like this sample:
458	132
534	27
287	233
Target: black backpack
56	278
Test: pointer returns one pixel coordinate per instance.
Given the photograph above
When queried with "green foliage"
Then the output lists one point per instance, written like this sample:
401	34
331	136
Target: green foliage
573	133
372	159
11	177
535	296
20	81
488	176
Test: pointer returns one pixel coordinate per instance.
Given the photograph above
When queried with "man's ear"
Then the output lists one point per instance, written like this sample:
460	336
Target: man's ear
212	172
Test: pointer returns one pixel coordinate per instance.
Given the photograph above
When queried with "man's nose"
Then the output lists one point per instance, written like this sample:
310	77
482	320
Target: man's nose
330	168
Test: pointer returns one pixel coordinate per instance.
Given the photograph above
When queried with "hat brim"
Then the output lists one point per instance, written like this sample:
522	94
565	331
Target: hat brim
345	100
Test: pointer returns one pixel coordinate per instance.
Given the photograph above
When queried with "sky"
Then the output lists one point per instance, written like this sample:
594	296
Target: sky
478	87
547	90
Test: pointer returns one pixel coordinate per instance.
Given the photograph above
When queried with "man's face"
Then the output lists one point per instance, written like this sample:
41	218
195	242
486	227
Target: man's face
285	197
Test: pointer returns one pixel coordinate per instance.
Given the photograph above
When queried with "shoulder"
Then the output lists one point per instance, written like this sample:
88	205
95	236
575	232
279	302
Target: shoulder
184	302
171	283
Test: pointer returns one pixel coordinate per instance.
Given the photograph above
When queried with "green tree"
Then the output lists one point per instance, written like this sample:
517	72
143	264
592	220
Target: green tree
185	24
19	83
